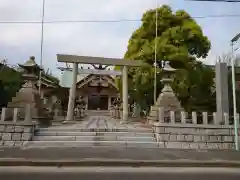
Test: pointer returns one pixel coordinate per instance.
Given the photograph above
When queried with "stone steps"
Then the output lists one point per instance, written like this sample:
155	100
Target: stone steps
143	130
72	133
94	138
94	132
92	144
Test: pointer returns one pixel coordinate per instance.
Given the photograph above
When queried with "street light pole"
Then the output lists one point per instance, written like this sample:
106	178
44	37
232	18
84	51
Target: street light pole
236	122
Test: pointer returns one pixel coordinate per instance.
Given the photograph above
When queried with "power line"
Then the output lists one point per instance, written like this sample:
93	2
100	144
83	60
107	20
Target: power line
112	21
67	21
229	1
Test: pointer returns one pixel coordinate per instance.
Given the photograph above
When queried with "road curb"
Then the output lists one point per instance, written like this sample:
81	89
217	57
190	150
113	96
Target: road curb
118	163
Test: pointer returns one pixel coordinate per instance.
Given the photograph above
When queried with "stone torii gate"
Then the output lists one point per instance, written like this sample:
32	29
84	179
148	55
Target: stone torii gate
101	61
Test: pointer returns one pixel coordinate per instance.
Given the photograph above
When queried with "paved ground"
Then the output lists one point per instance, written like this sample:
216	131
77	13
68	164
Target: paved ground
118	153
101	122
96	173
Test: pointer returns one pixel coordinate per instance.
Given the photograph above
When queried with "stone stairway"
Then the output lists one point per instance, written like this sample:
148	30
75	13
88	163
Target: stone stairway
97	131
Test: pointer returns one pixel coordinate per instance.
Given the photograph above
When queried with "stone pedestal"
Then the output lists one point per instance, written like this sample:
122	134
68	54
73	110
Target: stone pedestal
168	101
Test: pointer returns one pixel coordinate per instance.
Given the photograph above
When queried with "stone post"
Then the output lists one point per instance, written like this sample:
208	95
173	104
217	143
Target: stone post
226	119
15	115
125	93
3	114
183	117
172	117
28	114
215	118
205	118
161	115
72	94
194	117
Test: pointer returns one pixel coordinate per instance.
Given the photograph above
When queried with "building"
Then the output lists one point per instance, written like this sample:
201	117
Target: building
98	91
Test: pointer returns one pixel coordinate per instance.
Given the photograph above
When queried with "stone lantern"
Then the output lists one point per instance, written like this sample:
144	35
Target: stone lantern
28	94
30	70
167	100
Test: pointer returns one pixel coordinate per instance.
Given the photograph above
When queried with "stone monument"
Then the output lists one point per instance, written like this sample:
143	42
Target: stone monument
222	99
28	94
167	100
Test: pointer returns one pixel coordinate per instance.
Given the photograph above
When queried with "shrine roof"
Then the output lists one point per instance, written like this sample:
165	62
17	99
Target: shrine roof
89	78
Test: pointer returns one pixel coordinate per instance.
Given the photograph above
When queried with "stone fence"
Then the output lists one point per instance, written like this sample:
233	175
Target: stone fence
192	132
16	126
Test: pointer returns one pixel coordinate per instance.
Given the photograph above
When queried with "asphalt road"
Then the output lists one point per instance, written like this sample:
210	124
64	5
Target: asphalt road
100	173
118	153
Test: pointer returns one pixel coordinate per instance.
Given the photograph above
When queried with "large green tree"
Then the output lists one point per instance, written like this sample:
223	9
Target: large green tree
179	40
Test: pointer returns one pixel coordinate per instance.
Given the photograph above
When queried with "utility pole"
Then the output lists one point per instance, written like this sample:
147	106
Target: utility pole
155	58
42	37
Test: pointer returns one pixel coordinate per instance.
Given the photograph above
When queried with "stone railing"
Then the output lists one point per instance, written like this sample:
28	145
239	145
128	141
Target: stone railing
194	132
16	126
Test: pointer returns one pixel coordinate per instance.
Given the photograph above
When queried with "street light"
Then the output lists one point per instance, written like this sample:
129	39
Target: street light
236	123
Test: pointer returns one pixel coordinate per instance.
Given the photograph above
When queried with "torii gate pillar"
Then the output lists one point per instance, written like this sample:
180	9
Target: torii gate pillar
72	94
125	93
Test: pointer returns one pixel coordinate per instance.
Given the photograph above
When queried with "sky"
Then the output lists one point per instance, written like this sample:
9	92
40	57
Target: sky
20	41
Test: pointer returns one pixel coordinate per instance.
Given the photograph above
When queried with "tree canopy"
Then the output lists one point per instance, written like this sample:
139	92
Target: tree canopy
179	40
11	81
